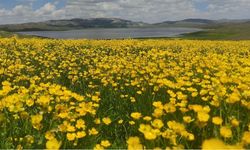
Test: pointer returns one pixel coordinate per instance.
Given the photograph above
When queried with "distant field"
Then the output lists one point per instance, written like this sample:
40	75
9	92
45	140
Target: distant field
239	31
5	34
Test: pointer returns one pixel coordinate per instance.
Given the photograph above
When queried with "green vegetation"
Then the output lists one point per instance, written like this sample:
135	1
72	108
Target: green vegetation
5	34
227	31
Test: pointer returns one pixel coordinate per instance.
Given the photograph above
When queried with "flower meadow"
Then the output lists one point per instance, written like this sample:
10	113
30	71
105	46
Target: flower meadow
126	94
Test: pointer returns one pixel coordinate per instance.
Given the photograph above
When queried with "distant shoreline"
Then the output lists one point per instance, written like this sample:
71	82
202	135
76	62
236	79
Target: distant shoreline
114	33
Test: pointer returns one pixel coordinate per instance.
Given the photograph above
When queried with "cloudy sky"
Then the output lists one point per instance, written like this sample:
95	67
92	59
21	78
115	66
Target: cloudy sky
151	11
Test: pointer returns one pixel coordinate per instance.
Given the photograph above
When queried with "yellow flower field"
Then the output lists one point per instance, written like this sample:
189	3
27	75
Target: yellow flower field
135	94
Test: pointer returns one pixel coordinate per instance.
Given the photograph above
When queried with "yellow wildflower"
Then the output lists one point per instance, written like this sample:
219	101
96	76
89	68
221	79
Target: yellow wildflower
246	137
35	120
106	120
203	117
134	143
53	144
147	118
95	98
29	102
80	124
131	122
158	113
217	120
139	92
157	123
225	132
43	100
136	115
97	121
120	121
93	131
187	119
212	144
98	147
80	134
150	135
235	122
71	128
71	136
105	143
49	135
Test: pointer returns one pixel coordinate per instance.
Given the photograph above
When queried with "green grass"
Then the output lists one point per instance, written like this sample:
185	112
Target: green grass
239	31
211	35
225	31
5	34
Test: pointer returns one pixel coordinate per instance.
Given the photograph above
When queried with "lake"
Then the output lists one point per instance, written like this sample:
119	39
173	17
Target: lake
114	33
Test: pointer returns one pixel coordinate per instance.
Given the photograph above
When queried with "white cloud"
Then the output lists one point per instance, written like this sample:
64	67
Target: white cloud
3	12
25	13
229	8
20	10
137	10
158	10
46	9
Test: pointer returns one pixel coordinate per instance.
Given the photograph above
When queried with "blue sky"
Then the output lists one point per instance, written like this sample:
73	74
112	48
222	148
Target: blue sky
19	11
10	4
201	5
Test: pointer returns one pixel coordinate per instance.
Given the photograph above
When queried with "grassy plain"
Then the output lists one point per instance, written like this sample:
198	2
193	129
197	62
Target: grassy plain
237	31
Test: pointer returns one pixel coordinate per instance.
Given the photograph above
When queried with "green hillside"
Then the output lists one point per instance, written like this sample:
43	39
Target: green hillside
225	31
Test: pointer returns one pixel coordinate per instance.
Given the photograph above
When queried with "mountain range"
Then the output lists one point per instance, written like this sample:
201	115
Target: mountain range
73	24
78	23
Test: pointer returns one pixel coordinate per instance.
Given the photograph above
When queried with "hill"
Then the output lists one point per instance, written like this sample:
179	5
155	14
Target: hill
78	23
186	23
72	24
213	29
223	31
200	23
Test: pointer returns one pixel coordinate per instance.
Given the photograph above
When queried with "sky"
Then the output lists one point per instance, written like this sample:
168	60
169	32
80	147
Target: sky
150	11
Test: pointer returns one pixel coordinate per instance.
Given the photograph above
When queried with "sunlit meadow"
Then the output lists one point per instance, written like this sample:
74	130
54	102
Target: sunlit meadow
135	94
